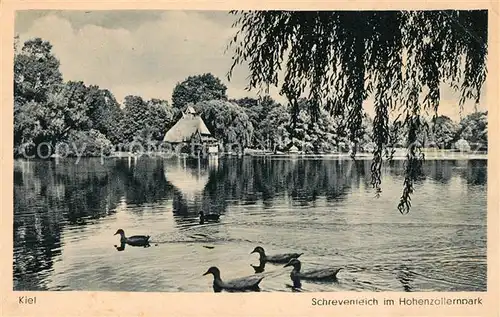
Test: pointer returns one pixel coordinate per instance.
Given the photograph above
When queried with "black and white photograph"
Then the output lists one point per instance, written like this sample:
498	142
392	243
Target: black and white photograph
200	151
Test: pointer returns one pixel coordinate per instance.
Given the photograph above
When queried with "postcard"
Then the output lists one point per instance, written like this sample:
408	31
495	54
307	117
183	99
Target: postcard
222	159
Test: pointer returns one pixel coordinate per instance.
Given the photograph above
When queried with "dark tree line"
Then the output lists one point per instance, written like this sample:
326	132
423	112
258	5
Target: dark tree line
47	109
51	111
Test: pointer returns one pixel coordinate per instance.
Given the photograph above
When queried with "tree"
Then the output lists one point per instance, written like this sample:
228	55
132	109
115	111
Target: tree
275	128
88	143
227	121
444	131
320	135
340	58
50	121
134	117
366	131
146	121
36	71
462	145
105	113
198	88
161	117
257	111
36	75
474	129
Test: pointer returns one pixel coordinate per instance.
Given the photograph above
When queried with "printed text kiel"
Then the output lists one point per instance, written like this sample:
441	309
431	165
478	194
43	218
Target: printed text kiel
27	300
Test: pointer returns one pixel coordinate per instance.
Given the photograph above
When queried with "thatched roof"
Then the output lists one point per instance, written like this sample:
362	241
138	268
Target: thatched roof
190	124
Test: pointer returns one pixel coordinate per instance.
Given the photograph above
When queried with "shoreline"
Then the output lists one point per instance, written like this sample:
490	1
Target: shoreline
428	155
368	156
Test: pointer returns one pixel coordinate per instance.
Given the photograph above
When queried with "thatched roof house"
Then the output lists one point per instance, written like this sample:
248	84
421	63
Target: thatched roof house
190	127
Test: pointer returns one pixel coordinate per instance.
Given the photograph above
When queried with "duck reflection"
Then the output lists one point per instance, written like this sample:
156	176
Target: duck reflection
296	286
405	276
321	275
209	217
259	268
121	247
326	274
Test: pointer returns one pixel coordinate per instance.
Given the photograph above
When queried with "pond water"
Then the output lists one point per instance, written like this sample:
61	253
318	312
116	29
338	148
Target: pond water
66	214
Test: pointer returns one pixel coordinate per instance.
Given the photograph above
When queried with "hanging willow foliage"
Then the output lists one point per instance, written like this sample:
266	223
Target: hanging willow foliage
340	58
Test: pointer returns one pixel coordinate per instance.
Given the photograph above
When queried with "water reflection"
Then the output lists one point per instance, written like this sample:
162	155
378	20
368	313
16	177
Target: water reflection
259	268
252	180
326	275
208	217
189	178
121	247
406	277
476	173
440	171
51	199
144	182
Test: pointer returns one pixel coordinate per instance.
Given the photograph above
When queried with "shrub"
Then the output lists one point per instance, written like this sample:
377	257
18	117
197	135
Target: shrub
89	143
462	145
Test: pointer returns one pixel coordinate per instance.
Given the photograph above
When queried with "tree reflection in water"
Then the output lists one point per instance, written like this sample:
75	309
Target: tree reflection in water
50	198
476	173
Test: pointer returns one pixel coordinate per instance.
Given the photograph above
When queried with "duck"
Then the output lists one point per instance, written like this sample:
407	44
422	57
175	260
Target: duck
324	274
133	240
249	283
277	258
208	217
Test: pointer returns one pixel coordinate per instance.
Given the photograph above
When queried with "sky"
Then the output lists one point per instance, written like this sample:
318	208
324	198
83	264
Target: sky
147	53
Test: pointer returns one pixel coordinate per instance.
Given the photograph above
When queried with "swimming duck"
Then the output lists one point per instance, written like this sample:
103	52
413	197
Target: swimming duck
325	274
134	240
249	283
208	217
277	258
